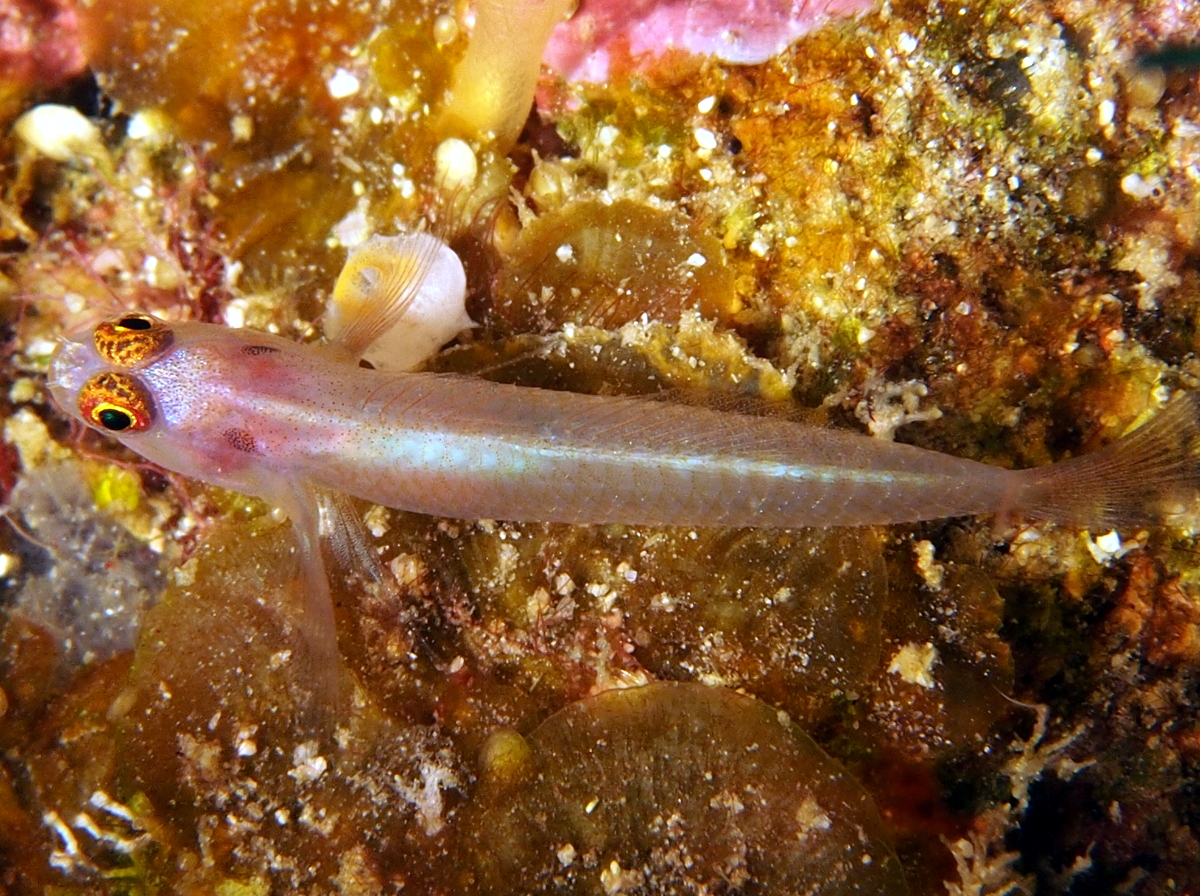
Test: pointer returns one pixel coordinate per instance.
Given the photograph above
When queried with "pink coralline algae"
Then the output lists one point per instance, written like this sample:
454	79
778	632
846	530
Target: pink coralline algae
39	42
1170	21
741	31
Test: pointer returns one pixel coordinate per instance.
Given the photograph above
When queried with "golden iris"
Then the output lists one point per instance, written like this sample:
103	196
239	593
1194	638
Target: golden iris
133	340
116	402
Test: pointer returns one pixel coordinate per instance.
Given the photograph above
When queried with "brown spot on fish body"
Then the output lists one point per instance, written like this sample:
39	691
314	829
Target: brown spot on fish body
241	440
256	350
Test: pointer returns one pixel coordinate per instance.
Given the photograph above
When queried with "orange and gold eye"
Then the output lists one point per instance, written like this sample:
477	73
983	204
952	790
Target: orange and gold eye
117	402
133	340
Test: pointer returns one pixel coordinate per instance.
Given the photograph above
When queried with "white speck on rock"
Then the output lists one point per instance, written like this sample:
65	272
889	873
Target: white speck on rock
1105	548
309	765
914	664
60	133
342	84
931	571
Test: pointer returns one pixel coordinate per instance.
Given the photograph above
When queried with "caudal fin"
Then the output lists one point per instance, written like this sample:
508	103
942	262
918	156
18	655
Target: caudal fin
1147	476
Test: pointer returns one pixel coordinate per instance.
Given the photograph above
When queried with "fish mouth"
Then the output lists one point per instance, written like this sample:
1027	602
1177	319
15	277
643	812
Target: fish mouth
72	365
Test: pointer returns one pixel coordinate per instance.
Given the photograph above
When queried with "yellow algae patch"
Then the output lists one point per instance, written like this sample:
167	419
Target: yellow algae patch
115	488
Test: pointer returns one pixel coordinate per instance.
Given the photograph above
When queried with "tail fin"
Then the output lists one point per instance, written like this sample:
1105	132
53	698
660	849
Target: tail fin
1141	479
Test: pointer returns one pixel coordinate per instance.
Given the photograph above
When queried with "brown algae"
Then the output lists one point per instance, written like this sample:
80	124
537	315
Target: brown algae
671	788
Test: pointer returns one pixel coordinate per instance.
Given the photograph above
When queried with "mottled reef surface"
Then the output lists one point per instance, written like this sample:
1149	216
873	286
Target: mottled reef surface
972	227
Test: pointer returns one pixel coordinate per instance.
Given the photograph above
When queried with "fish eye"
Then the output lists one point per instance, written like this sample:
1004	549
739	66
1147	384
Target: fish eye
117	402
132	341
114	419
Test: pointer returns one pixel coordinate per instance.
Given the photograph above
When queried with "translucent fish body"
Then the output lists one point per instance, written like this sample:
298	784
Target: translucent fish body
267	417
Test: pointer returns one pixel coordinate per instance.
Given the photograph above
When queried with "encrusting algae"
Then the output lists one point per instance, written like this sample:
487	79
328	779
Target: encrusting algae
971	230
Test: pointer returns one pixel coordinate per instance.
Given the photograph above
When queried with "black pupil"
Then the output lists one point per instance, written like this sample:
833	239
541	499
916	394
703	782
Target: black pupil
114	420
134	323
